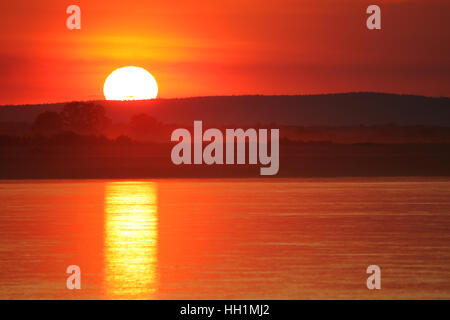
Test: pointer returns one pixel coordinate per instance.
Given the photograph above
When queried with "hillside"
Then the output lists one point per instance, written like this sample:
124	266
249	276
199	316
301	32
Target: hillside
350	109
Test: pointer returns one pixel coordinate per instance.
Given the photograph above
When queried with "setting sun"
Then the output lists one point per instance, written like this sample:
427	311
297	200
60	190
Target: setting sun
130	83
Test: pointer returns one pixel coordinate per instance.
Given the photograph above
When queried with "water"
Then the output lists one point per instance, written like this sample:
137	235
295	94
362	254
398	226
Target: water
228	239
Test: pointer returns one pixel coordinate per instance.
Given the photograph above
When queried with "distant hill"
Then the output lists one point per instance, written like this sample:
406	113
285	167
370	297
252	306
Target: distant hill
347	109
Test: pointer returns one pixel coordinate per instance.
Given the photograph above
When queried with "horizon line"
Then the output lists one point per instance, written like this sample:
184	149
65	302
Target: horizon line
230	96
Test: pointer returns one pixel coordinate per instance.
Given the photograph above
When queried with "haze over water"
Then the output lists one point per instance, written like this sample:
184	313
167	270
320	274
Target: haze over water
229	239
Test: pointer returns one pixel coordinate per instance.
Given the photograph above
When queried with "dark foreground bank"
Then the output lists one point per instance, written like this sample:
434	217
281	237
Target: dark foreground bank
132	160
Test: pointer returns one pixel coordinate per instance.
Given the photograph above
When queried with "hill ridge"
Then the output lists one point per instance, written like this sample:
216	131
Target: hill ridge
331	109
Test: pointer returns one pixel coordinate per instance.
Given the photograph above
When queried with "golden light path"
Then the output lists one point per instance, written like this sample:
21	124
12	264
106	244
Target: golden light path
131	234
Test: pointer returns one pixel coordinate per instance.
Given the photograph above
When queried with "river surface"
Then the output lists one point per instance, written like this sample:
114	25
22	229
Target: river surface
225	239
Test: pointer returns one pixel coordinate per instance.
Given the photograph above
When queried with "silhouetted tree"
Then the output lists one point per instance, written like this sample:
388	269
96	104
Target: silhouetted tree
122	139
47	123
145	127
84	118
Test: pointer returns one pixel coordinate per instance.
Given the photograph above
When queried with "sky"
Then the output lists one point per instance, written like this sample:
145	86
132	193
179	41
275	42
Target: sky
207	47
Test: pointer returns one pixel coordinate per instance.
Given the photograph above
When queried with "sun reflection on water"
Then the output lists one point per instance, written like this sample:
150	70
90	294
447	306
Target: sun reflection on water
131	232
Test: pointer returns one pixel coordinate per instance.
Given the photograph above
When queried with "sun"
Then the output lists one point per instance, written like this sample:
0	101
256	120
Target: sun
130	83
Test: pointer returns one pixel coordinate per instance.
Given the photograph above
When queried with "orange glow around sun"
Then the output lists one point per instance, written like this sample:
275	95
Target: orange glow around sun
130	83
210	48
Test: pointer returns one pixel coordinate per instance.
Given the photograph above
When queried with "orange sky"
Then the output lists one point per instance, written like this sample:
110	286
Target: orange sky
206	47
